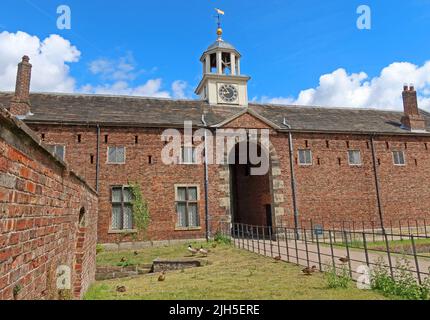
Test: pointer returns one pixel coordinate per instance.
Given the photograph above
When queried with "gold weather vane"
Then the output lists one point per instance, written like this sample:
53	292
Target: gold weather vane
219	30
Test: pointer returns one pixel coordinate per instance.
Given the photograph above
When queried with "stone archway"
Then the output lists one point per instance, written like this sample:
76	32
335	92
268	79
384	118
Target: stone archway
275	184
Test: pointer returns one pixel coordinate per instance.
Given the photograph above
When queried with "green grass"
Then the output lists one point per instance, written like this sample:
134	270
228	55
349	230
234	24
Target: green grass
396	246
231	274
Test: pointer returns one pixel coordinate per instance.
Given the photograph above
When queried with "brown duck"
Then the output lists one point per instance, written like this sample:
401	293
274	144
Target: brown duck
308	271
344	260
121	289
162	276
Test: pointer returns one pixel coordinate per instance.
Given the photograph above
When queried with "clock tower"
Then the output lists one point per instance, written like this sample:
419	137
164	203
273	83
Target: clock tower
222	82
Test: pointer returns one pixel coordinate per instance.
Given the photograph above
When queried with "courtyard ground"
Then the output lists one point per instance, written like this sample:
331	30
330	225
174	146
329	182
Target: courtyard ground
231	274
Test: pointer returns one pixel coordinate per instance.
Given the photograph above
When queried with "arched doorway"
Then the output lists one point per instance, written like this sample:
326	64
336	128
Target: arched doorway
251	195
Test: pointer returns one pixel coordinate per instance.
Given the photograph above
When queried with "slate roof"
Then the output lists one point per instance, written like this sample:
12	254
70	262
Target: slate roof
137	111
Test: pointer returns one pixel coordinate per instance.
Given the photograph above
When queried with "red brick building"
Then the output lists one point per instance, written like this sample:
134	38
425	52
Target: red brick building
326	164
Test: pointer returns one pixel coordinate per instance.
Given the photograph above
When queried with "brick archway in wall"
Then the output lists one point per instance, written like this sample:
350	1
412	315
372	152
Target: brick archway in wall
273	190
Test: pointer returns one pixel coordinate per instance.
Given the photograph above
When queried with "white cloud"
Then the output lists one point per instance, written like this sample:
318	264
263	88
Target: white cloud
122	69
49	57
179	89
341	89
152	88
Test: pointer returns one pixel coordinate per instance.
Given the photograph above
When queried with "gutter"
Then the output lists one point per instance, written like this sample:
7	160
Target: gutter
98	158
293	178
206	181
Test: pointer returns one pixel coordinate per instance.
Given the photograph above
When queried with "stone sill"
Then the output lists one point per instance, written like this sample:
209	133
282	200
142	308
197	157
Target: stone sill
122	231
188	229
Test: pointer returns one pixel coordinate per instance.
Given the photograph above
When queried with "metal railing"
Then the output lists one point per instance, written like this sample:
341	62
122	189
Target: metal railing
336	248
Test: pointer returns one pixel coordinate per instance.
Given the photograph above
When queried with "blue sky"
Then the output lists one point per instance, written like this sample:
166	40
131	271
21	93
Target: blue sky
287	45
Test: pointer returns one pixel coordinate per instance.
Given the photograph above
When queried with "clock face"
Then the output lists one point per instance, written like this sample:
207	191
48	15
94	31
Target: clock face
228	93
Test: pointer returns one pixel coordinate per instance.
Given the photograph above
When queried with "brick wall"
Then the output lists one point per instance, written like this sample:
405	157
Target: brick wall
329	190
48	218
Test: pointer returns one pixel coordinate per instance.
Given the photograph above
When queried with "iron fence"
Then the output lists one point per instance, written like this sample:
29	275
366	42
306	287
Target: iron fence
337	248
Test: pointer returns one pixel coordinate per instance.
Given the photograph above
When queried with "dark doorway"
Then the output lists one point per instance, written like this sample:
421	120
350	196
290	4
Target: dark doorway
251	194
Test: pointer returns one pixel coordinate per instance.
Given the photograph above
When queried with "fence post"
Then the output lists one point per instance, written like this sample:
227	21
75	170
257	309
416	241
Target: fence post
418	227
297	249
409	227
332	251
312	230
258	239
365	249
319	252
252	237
286	244
401	233
234	235
391	227
243	236
306	247
347	254
425	228
247	236
264	239
277	238
417	265
389	255
373	230
271	242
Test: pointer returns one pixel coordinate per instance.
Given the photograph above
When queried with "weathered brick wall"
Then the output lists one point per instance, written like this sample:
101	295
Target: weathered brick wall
40	205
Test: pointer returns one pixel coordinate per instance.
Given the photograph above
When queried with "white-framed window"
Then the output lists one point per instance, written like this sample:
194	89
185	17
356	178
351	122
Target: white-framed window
187	208
122	208
305	157
188	155
116	155
59	151
354	157
399	158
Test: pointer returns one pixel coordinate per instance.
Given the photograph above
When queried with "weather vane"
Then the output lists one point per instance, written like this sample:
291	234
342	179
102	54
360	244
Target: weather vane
218	16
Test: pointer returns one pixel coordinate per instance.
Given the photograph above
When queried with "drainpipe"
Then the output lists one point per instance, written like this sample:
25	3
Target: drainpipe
206	181
293	179
378	191
98	158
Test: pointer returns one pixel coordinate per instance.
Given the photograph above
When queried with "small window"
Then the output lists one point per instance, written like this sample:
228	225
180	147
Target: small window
187	207
399	158
79	138
188	155
43	136
122	208
116	155
106	138
60	151
354	157
305	157
136	140
92	159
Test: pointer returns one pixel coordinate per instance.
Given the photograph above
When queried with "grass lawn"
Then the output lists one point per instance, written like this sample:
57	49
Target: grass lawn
231	274
396	246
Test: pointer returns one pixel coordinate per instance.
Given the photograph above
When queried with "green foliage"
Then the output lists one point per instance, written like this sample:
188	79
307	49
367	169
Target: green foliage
221	238
141	215
402	284
16	290
99	249
337	278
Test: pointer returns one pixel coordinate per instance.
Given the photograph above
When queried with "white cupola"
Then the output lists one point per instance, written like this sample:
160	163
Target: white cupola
222	82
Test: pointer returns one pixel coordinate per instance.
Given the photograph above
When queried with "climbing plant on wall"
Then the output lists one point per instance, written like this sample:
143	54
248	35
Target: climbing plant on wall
141	214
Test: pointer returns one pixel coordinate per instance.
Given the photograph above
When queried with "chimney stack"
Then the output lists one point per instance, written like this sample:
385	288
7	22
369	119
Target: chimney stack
20	103
412	119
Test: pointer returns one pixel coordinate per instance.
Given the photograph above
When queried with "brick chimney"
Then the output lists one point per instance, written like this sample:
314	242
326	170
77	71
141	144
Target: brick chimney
412	119
20	103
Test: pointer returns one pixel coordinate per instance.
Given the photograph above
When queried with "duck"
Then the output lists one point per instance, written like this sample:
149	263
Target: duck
308	271
203	251
123	259
278	258
344	260
136	253
162	276
121	289
214	245
192	250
